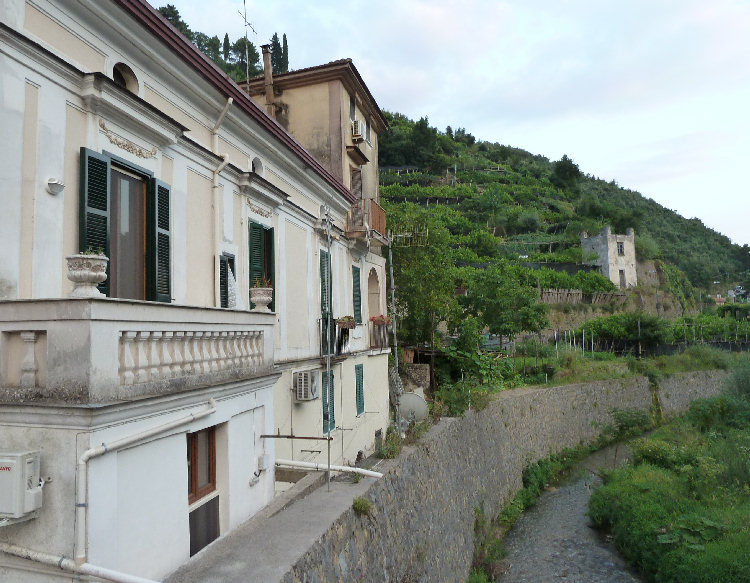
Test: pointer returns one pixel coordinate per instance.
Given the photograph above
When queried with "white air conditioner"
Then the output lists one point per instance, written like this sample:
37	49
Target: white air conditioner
305	385
358	129
20	488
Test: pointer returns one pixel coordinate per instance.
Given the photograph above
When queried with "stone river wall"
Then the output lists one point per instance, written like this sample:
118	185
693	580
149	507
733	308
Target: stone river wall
421	525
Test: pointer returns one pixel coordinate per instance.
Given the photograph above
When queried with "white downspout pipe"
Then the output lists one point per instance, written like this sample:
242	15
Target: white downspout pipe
325	467
70	565
217	225
81	524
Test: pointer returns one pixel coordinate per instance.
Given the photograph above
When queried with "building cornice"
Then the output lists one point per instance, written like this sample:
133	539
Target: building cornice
162	30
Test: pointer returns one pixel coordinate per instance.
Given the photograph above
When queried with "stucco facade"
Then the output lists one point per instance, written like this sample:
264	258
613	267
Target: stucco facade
615	255
330	111
120	135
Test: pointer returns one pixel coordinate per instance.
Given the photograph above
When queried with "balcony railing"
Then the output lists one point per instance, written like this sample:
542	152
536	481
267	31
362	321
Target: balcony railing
379	336
108	350
336	342
367	216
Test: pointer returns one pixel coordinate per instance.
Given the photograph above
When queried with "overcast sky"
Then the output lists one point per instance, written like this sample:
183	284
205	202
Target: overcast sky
654	94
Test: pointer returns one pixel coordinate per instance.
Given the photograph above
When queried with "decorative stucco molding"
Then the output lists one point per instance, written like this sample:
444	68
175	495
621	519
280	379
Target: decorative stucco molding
126	145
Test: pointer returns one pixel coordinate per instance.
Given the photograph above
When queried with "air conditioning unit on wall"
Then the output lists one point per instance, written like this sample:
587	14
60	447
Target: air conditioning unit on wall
305	385
20	488
358	129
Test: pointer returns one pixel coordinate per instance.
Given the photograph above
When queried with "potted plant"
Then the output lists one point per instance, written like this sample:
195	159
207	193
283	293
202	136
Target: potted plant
346	322
380	320
261	294
87	270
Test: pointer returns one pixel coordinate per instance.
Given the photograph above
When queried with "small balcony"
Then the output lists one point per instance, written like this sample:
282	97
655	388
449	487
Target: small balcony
367	218
334	340
379	336
99	351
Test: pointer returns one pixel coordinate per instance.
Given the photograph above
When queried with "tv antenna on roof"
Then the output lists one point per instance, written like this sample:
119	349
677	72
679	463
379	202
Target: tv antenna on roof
247	50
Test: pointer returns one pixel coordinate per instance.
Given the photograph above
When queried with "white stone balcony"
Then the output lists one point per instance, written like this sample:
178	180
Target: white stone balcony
98	351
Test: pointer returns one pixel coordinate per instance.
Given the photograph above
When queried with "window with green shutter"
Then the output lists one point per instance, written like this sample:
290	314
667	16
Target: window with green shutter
125	213
261	257
329	414
357	295
359	378
327	323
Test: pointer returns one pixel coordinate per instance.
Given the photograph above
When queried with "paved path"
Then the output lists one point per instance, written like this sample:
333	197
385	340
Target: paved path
553	541
263	549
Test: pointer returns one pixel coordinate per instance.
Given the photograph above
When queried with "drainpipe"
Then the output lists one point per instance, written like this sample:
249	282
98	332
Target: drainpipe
70	565
268	80
326	467
81	524
215	129
217	225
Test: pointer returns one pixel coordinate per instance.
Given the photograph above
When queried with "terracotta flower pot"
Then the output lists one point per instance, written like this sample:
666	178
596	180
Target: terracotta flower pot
86	272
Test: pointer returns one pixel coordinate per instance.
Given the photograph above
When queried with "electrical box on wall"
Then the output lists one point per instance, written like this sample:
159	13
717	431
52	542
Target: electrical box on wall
20	487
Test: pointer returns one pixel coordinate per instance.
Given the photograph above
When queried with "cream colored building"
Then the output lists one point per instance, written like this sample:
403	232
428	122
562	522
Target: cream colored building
331	112
615	255
120	135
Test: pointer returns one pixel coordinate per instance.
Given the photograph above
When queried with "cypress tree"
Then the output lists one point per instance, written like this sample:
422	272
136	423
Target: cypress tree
225	48
284	54
276	56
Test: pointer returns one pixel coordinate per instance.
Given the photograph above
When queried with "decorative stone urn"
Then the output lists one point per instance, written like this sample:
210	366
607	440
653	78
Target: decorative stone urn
261	297
86	272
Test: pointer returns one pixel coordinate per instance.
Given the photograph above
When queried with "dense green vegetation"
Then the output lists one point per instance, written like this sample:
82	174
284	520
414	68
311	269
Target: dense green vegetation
538	208
681	511
234	58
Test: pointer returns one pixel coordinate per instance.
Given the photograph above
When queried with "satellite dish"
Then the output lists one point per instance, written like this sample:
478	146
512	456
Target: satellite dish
413	407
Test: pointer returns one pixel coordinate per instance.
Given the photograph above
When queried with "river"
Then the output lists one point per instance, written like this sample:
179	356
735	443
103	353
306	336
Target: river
553	540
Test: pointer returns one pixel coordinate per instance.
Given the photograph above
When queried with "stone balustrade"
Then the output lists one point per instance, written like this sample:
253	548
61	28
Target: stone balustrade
100	350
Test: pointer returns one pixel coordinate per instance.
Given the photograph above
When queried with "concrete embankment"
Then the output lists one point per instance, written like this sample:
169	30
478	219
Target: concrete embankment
422	520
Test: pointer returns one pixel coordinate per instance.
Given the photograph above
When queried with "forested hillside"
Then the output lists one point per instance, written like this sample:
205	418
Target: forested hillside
473	216
538	208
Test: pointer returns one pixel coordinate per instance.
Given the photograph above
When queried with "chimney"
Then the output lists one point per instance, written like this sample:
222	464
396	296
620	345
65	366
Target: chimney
268	75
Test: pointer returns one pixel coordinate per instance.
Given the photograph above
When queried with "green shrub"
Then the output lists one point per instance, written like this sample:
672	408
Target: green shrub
660	453
391	445
739	381
362	505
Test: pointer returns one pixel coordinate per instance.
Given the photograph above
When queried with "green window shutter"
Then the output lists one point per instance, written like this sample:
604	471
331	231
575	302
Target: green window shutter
256	252
270	266
357	294
158	286
325	281
94	215
328	326
359	374
223	281
329	414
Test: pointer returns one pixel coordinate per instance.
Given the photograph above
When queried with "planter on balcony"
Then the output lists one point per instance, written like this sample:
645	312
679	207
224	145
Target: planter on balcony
261	297
346	322
86	271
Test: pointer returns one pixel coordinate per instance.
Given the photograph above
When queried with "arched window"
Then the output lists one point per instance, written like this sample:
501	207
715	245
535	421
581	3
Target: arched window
124	77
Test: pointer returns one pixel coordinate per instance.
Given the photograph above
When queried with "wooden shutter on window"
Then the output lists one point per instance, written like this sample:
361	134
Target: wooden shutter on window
270	265
256	254
158	286
359	374
94	216
357	295
223	281
328	327
329	414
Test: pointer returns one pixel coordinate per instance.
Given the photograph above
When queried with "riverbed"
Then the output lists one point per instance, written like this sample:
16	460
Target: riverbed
554	541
